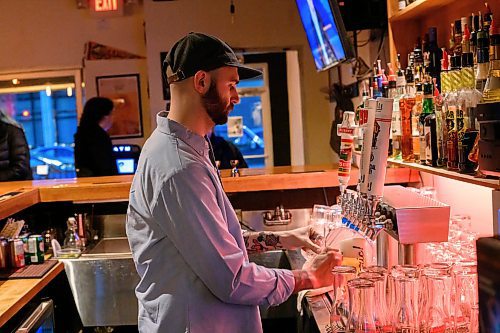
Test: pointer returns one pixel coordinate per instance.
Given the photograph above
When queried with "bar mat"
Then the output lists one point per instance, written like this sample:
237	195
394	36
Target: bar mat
28	271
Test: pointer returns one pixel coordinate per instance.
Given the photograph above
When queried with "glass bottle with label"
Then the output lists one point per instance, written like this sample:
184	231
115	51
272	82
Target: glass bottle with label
427	109
429	126
451	104
407	103
416	111
466	128
395	92
491	91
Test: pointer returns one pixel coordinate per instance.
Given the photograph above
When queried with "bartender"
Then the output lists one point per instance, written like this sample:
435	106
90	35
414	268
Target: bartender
185	237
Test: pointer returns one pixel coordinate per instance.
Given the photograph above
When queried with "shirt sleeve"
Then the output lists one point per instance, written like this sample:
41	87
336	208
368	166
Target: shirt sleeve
188	211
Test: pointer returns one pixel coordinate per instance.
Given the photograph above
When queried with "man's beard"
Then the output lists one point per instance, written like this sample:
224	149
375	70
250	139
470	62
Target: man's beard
216	109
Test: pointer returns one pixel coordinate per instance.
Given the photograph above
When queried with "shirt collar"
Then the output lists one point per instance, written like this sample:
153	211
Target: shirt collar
169	126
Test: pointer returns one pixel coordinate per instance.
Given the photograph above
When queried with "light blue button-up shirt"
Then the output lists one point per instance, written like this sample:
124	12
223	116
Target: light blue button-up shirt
187	244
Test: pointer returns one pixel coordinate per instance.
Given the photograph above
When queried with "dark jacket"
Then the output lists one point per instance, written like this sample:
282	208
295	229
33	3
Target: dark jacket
225	151
94	152
14	154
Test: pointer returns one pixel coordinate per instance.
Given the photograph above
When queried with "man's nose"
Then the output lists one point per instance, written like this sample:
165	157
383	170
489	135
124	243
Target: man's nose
235	98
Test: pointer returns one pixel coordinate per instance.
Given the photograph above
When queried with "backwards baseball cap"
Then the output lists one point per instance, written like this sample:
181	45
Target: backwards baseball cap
197	51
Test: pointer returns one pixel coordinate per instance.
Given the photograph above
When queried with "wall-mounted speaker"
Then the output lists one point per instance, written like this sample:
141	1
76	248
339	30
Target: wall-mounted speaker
363	14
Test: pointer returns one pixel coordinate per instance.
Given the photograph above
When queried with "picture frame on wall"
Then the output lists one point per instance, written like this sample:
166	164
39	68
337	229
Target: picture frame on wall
125	92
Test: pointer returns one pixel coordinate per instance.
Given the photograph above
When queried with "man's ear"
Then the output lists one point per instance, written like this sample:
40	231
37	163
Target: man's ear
202	82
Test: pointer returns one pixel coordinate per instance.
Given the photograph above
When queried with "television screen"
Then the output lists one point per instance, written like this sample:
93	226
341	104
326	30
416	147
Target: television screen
325	32
125	165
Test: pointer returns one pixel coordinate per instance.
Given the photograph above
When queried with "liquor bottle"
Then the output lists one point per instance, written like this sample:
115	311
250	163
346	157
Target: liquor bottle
491	91
468	100
457	37
482	55
376	91
440	128
429	126
473	35
415	116
407	103
487	17
396	92
435	55
451	105
360	118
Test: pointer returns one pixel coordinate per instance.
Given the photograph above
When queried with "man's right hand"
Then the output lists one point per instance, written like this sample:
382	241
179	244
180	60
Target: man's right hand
317	273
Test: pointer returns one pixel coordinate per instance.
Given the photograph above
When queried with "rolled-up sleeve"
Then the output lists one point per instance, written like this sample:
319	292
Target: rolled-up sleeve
187	210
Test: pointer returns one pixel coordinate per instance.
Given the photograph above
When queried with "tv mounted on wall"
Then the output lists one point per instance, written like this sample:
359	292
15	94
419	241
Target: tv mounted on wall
325	32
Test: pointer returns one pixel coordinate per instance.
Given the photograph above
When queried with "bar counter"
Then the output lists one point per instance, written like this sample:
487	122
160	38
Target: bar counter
16	196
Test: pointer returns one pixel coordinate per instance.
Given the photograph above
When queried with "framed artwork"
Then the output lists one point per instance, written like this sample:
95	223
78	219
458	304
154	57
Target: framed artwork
125	92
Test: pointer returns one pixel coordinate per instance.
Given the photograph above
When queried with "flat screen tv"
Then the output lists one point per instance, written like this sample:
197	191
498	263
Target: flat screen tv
325	32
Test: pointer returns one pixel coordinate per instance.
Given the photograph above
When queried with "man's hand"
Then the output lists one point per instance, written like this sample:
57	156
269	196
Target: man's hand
317	273
304	237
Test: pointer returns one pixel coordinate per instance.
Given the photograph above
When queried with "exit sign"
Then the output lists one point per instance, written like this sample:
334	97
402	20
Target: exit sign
106	8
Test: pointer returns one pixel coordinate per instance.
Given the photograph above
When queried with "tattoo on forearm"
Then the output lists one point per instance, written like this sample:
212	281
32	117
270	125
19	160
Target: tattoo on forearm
262	241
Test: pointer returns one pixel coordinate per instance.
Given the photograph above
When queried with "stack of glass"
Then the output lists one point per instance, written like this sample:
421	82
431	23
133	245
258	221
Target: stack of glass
437	297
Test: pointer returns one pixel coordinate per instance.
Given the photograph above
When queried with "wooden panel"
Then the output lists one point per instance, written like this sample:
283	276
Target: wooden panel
114	191
14	294
117	188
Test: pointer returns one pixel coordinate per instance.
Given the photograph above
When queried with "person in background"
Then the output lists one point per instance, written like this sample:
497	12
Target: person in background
14	151
93	146
225	151
185	237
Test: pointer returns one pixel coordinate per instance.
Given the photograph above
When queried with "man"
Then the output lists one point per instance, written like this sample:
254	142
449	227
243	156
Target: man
14	151
184	234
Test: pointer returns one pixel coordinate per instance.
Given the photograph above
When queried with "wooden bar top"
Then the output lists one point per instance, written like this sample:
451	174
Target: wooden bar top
21	195
16	293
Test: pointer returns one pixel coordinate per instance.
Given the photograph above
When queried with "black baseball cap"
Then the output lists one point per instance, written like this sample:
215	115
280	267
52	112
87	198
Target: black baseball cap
197	51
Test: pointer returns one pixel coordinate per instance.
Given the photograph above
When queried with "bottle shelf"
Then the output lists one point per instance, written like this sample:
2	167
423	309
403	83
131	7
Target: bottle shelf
490	183
418	9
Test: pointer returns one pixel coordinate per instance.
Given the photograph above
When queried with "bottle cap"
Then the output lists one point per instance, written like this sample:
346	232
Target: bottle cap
428	88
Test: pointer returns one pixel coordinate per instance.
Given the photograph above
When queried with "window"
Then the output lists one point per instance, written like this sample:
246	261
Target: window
46	105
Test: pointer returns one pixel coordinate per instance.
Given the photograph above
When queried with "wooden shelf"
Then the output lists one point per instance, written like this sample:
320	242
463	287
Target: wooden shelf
414	21
491	183
418	9
16	293
18	200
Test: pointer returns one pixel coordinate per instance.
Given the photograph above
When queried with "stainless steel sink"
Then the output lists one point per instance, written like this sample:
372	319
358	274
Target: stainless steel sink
103	279
110	246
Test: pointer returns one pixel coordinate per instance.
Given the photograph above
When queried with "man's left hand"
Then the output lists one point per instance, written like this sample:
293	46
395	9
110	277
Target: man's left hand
304	237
